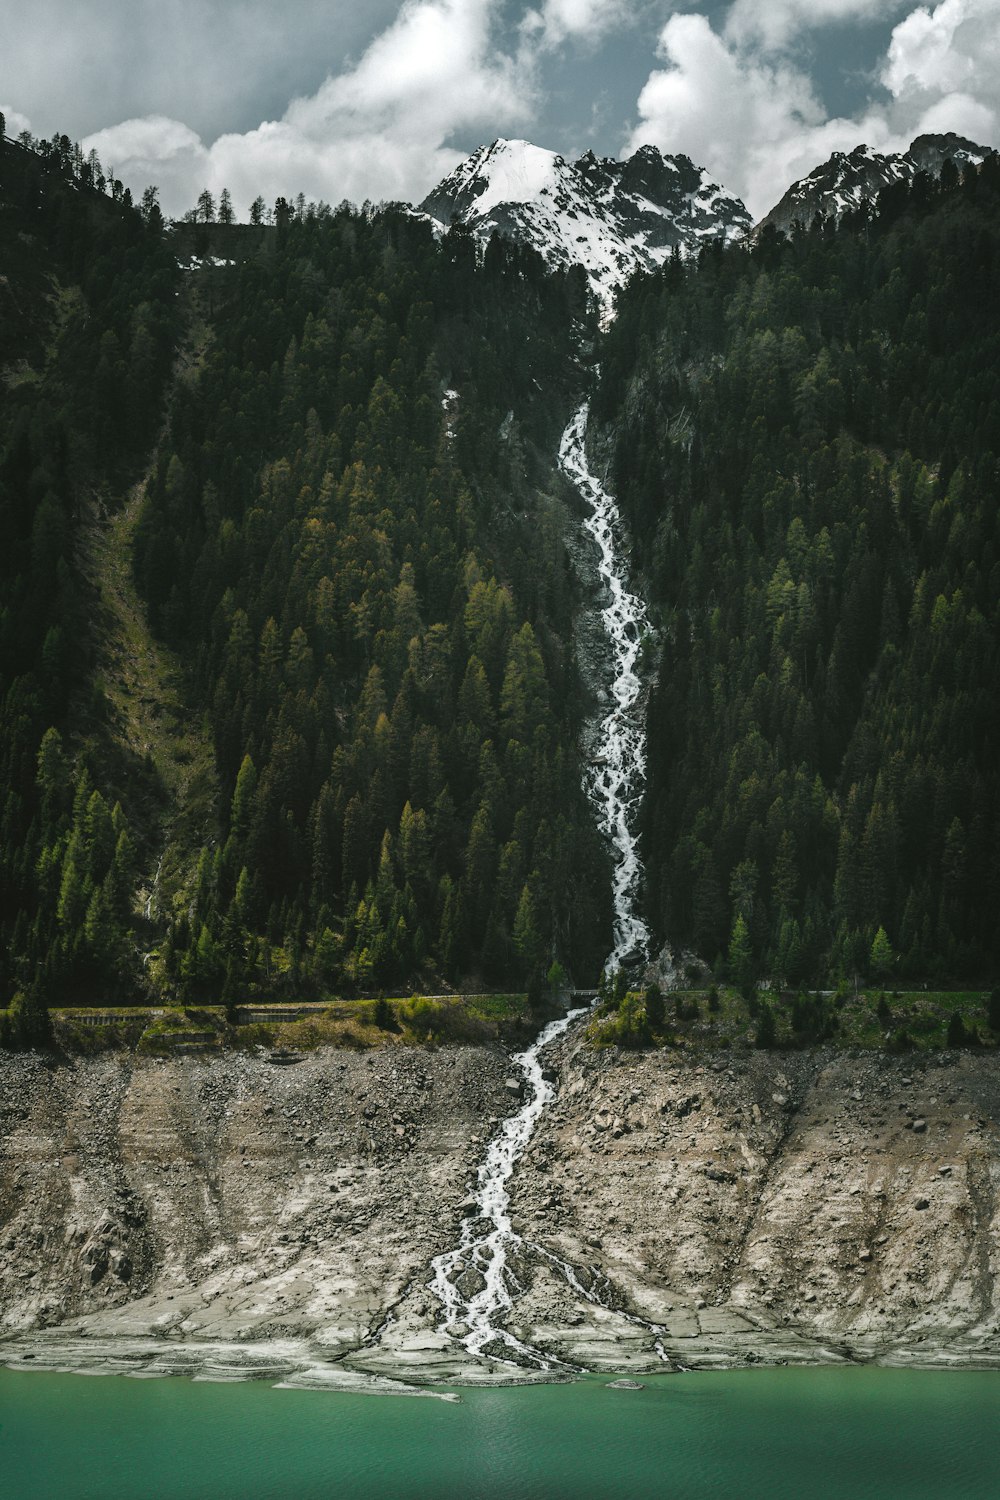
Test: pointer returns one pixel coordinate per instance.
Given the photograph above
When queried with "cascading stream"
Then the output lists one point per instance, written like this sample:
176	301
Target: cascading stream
475	1281
481	1255
618	769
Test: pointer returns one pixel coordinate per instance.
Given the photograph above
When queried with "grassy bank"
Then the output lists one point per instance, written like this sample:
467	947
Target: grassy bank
872	1019
416	1020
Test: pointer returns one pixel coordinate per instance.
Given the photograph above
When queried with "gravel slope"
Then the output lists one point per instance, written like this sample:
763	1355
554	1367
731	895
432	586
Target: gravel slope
236	1217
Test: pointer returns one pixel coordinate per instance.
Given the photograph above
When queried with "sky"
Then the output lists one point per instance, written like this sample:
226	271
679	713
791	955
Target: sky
335	100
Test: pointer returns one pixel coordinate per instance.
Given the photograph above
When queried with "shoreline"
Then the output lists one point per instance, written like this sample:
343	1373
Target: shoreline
298	1365
232	1220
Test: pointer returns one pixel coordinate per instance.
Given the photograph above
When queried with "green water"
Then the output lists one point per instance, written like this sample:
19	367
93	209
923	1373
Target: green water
808	1434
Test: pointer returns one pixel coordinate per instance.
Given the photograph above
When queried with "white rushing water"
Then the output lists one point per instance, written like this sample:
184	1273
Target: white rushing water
618	768
475	1281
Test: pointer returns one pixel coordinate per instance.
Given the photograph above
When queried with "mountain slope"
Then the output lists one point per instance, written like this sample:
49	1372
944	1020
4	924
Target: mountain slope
375	599
845	182
360	594
806	451
88	320
611	217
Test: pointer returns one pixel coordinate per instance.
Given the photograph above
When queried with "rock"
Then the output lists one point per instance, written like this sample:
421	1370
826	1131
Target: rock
625	1385
919	1126
922	1203
514	1087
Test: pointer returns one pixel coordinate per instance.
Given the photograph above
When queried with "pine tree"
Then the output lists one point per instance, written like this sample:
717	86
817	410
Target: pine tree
655	1008
882	957
741	965
527	938
993	1012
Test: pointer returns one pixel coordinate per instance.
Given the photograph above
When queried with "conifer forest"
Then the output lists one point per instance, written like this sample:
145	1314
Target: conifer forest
313	461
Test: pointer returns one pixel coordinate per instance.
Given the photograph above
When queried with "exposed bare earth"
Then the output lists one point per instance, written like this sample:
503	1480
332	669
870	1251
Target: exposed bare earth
231	1217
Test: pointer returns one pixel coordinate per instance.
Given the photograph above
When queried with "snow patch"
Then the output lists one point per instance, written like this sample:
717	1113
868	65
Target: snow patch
611	217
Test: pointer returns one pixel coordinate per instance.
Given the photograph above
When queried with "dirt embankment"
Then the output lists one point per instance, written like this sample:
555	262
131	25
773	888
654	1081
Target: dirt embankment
238	1217
231	1201
768	1206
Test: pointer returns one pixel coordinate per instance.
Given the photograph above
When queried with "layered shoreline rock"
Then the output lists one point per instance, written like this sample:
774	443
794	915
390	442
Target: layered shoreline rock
232	1219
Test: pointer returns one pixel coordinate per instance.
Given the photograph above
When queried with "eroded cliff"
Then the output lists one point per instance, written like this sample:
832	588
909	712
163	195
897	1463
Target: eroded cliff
247	1218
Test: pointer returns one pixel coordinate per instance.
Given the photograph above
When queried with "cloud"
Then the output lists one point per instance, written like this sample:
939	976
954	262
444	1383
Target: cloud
433	70
559	21
14	122
76	65
774	24
156	150
953	50
379	129
746	110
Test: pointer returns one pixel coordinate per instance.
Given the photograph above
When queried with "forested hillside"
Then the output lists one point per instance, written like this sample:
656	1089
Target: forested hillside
333	441
806	439
346	541
87	326
377	608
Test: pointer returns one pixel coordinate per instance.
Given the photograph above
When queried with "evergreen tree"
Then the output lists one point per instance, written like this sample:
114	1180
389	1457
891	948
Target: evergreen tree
741	965
655	1008
882	957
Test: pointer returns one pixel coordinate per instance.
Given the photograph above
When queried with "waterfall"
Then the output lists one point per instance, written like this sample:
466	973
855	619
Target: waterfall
618	769
474	1280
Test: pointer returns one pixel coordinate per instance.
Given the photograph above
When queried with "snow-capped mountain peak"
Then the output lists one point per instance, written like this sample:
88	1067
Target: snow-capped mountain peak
611	217
505	172
848	179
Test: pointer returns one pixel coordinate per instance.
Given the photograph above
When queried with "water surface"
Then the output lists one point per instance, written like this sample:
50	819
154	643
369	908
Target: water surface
825	1434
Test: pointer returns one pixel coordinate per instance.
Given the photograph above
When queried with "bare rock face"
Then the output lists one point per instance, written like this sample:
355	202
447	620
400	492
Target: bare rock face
846	181
229	1199
792	1206
248	1219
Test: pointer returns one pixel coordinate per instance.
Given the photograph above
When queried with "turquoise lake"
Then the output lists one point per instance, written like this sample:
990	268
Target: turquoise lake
808	1434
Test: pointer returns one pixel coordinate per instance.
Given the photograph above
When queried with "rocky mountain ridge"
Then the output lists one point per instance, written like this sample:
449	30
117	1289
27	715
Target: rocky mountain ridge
615	217
845	181
611	217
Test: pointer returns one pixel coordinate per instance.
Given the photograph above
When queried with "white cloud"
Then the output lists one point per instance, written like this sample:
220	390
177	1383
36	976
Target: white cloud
434	67
377	130
559	21
14	121
953	50
752	122
773	24
749	113
156	150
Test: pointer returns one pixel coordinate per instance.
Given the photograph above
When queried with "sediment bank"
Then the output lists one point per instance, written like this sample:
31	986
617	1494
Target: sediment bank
232	1217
